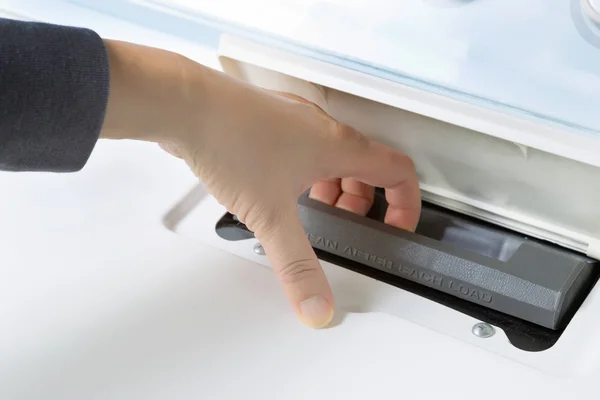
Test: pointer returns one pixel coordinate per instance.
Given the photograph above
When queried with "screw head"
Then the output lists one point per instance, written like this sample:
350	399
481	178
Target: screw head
258	249
483	330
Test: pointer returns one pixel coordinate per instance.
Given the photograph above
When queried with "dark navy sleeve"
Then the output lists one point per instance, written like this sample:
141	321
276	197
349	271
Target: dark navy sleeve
54	84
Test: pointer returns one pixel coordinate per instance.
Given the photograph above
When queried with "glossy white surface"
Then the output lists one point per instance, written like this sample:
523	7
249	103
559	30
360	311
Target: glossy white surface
595	4
99	300
538	59
591	9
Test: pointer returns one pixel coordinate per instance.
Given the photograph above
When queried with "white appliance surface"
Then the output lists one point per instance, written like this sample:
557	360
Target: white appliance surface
538	59
100	299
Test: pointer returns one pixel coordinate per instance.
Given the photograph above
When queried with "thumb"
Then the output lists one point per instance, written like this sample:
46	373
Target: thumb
297	267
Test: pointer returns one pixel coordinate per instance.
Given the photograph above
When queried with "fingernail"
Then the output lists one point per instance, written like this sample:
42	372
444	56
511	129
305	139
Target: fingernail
316	312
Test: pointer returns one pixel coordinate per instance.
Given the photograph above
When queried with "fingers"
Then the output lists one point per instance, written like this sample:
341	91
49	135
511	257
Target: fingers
370	164
297	268
356	196
327	191
348	194
404	204
379	165
374	164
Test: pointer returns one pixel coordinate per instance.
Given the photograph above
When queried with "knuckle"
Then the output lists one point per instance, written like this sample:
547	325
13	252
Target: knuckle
349	138
410	165
297	271
248	211
402	160
231	201
346	133
262	219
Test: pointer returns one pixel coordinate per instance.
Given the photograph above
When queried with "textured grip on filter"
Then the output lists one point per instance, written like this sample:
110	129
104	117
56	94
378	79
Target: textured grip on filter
534	281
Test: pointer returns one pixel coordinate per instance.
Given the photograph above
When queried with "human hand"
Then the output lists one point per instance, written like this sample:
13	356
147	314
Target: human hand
256	152
262	150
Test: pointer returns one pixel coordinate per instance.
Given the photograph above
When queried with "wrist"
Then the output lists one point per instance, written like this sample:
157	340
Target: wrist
155	95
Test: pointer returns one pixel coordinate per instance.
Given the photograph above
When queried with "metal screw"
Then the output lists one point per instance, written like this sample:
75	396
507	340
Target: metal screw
483	330
258	249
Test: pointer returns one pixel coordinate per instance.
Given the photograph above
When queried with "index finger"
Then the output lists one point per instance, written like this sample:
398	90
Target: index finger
297	267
